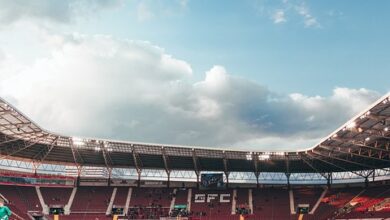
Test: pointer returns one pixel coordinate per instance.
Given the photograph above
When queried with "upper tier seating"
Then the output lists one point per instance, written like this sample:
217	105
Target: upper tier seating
23	197
271	203
54	196
93	199
363	203
181	197
121	196
150	202
307	196
90	203
335	199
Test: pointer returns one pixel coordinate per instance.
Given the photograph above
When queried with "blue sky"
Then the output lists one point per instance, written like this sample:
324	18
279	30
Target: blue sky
348	46
250	74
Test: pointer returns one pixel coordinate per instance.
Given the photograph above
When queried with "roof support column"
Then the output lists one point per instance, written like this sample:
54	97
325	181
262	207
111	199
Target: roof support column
79	168
227	179
197	171
366	181
165	160
257	174
288	180
197	179
288	171
137	164
109	169
35	166
76	156
139	178
287	163
255	159
225	166
106	157
329	179
169	178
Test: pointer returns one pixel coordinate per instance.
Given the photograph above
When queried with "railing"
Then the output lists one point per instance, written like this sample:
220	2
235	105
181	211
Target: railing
16	217
381	205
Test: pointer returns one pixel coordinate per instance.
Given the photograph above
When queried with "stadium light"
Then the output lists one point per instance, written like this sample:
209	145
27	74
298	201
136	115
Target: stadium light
351	125
279	153
249	156
365	115
78	141
264	157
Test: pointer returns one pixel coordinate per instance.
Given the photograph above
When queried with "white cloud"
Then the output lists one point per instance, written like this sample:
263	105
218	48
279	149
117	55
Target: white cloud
150	9
311	22
2	55
278	12
47	10
279	17
308	19
99	86
49	14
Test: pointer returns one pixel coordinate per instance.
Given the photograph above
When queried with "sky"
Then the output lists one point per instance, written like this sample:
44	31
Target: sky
248	75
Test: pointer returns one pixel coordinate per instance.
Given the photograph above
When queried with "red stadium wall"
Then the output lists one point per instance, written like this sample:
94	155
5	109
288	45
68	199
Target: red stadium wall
268	203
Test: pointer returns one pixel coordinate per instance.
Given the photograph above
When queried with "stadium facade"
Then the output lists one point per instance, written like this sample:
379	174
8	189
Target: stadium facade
357	151
354	155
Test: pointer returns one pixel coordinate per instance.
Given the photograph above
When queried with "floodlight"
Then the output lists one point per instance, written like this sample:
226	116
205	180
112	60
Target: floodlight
351	125
264	157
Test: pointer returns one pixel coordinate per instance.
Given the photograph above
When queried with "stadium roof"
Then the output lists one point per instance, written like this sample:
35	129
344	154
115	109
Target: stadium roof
360	144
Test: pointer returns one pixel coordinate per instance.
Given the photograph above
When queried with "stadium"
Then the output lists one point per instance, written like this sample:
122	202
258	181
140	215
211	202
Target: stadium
194	110
49	176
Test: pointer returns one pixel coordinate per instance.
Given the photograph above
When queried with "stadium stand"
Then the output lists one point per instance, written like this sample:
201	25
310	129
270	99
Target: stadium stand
334	200
56	196
307	195
150	203
91	199
85	216
242	201
362	205
268	203
23	198
345	176
213	209
181	196
121	196
180	203
271	203
21	214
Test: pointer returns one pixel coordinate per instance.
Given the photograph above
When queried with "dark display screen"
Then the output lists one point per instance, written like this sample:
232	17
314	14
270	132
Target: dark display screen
212	181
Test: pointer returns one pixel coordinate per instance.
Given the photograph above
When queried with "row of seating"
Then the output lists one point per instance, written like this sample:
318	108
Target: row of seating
267	203
363	205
